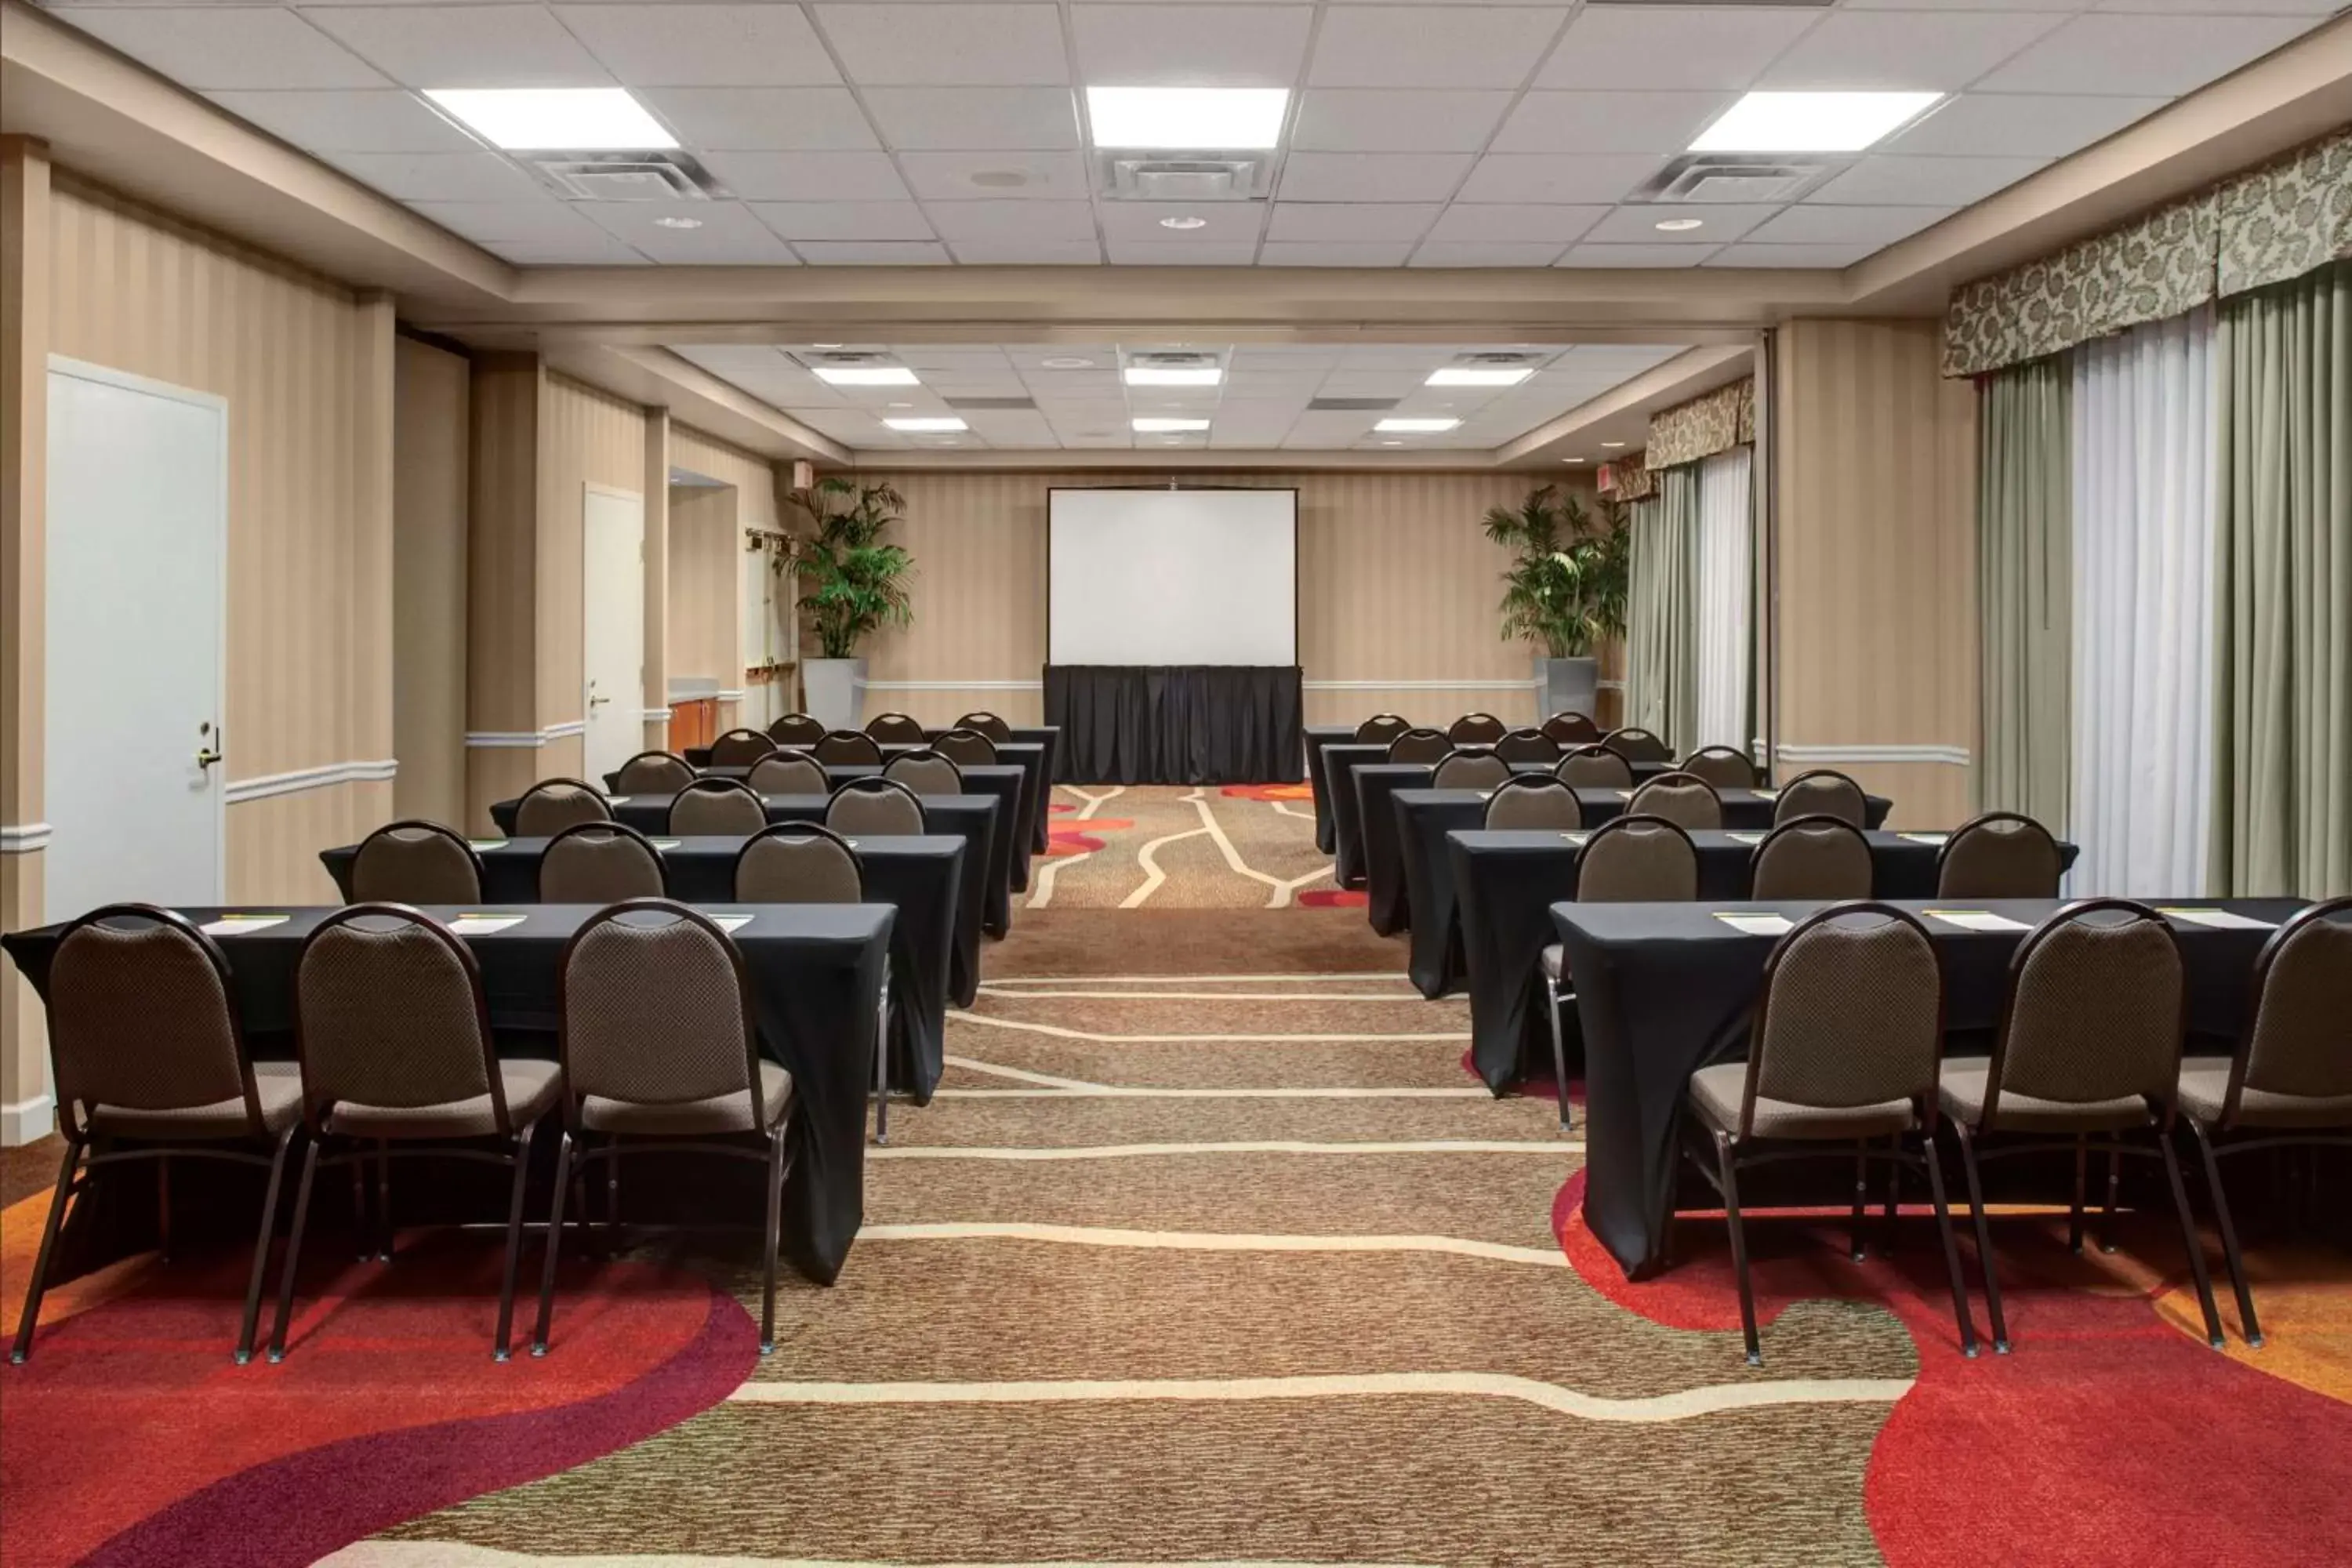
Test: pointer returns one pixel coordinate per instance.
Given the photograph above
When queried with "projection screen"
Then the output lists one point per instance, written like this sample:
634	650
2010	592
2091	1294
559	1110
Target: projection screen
1160	577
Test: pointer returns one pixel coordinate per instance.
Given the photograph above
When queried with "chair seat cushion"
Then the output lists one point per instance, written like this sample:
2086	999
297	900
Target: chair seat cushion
1963	1096
692	1118
530	1088
1555	962
277	1085
2205	1088
1715	1093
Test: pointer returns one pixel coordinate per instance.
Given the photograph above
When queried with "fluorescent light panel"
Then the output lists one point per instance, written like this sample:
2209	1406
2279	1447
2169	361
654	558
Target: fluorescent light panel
1811	121
1467	375
864	376
1225	119
1162	376
926	425
1153	426
556	119
1416	426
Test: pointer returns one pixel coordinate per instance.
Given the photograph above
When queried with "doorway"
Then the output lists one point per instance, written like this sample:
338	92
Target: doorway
613	627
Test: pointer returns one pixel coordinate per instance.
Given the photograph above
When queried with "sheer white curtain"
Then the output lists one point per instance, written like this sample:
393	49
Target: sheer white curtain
1726	599
2143	699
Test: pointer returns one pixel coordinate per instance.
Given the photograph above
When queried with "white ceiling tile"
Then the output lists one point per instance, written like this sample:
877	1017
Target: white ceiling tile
1048	222
1718	222
1636	256
871	253
1608	121
476	177
952	118
808	176
702	45
2221	8
379	122
1350	221
969	45
762	119
1845	225
1382	119
593	248
1419	46
2037	126
1190	45
227	47
2147	55
730	234
844	220
1333	253
1229	223
1440	253
1557	177
1924	182
974	176
1147	253
1515	224
485	221
1798	256
1627	47
1371	176
1891	50
1026	253
465	45
1992	5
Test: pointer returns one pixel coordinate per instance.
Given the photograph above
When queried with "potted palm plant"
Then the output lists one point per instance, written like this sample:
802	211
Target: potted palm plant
1565	589
854	583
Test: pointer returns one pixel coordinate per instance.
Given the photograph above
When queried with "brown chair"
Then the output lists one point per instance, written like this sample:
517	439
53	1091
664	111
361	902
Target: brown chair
1725	767
599	863
416	862
1844	1048
1534	801
1636	745
803	863
1380	729
1629	860
1476	730
796	729
2088	1054
925	772
718	808
550	805
393	1036
1572	730
895	730
740	749
1811	857
1999	854
788	772
988	725
966	748
1420	746
1679	797
653	773
661	1050
1824	792
1470	770
880	806
1527	746
145	1043
2290	1080
1594	767
847	749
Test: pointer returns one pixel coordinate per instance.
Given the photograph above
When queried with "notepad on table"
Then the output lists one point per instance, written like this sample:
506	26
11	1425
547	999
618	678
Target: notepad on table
1757	925
487	842
1486	795
1765	793
241	925
2220	920
1746	837
730	924
1625	794
616	799
483	925
1576	839
665	842
1924	837
1975	920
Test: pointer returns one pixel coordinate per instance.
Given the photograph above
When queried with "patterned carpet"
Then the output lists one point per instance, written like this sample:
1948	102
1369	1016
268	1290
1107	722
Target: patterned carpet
1209	1251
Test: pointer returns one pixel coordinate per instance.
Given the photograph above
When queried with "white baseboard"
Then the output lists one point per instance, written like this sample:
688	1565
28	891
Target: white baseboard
28	1121
1950	756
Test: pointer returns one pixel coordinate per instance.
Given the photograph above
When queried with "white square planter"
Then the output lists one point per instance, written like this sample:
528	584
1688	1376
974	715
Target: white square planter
836	691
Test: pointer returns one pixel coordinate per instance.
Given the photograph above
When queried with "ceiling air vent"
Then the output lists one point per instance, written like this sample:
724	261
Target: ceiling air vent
1351	404
624	176
1172	358
1763	4
1202	177
990	405
848	359
1738	177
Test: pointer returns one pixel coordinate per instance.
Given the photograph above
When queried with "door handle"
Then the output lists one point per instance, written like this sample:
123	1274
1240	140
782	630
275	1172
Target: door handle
206	757
597	702
208	754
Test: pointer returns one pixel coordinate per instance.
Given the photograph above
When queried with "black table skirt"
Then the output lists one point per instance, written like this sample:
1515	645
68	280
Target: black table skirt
1361	780
972	818
1665	989
1318	737
815	971
937	930
1176	724
1048	741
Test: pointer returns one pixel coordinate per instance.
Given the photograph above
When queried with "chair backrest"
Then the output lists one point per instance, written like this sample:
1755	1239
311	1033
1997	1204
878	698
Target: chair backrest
788	772
1533	800
798	863
1380	729
2093	1009
599	863
847	748
987	723
1725	767
874	805
1999	854
1470	770
740	749
895	730
653	773
1811	857
416	862
925	772
1527	746
1594	767
966	748
550	805
1824	792
389	1012
1420	746
1851	1013
796	729
1634	859
143	1014
2296	1041
719	807
1571	729
657	1010
1476	730
1683	798
1636	745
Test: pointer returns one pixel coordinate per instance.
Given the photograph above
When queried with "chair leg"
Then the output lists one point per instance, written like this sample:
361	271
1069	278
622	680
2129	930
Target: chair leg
1894	1193
2192	1240
500	1348
775	1229
2074	1210
294	1248
163	1207
2230	1252
1724	1165
1559	1052
1934	1160
23	1349
2115	1183
252	1318
565	1178
359	1210
612	1199
882	1089
1861	1198
1984	1239
384	1200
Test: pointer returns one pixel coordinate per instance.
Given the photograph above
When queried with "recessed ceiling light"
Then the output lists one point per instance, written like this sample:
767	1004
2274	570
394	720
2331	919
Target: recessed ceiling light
678	223
543	119
824	345
867	376
1470	375
1172	375
1680	225
1158	426
1067	362
998	179
1811	122
1571	459
1187	222
927	425
1612	446
1416	426
1392	443
1226	119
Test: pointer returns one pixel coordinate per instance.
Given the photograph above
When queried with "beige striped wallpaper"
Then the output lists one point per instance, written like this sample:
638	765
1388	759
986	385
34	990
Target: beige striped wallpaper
704	605
428	498
718	640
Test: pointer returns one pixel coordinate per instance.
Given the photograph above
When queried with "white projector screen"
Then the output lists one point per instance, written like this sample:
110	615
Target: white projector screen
1172	576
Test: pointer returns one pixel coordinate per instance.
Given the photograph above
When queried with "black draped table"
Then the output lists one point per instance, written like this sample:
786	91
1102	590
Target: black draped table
1361	779
1032	750
971	817
1666	989
1176	724
934	943
815	971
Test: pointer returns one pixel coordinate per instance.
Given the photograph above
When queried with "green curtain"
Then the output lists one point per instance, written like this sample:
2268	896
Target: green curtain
1662	619
2025	577
2282	570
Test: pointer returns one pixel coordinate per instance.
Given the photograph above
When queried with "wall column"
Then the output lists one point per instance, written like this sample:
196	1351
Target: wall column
502	715
656	493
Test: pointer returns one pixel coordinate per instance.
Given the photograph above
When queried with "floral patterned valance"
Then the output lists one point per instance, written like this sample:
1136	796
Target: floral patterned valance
1714	422
1628	479
2281	222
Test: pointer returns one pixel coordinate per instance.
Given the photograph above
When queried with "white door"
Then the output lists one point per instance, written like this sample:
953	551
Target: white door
138	511
613	628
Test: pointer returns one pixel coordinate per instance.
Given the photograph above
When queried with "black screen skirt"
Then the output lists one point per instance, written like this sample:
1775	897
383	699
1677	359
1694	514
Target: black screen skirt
1178	724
